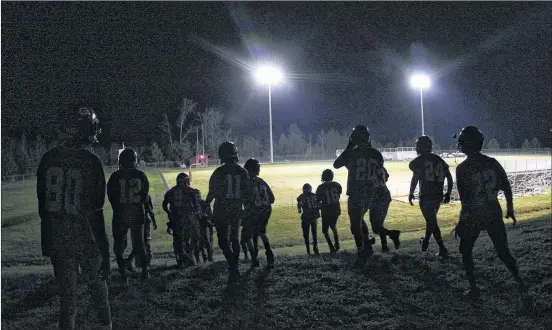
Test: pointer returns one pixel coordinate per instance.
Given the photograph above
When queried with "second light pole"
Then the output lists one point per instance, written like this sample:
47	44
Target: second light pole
421	81
269	75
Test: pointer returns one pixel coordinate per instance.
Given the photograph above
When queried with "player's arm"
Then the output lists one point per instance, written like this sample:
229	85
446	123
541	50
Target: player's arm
212	188
449	184
413	182
45	223
299	204
507	188
145	187
460	183
112	191
270	194
149	210
99	199
341	160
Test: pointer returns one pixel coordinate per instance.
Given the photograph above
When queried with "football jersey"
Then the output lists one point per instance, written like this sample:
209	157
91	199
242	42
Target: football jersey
262	198
328	194
229	186
70	189
183	203
364	165
383	195
430	170
479	178
309	205
127	190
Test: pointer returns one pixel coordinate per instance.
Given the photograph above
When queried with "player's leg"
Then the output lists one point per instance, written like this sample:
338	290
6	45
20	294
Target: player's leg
429	212
325	227
120	231
247	238
355	218
210	245
376	220
443	252
203	241
98	290
333	227
499	237
147	241
66	278
314	230
195	238
243	242
223	235
305	226
468	237
260	228
178	244
137	237
235	224
100	234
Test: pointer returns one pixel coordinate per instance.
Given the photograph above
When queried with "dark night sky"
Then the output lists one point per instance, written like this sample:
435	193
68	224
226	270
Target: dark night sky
347	63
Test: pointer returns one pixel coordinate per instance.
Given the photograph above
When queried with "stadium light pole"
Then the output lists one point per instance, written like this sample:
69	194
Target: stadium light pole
421	81
269	75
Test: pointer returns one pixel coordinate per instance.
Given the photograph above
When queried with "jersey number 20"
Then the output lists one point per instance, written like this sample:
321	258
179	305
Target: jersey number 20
63	190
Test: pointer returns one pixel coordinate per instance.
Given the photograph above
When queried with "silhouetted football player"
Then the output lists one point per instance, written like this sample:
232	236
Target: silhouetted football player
181	202
205	230
127	190
148	226
71	195
479	178
229	188
365	166
328	194
257	214
307	206
378	213
430	170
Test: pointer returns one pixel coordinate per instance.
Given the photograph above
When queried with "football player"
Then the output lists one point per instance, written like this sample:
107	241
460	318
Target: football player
328	194
258	211
365	165
307	206
182	205
71	194
479	178
127	190
150	223
205	231
378	213
430	170
229	188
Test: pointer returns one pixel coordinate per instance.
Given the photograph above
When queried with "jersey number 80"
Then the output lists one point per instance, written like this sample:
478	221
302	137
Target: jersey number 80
63	190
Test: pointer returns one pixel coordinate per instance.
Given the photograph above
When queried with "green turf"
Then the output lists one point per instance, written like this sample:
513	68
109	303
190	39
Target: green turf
21	226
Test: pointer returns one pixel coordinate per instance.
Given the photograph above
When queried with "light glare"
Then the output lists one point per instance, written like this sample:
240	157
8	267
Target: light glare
268	75
420	81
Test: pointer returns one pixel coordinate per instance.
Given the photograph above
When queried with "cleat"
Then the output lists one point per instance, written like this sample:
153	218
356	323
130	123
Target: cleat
396	239
337	248
425	244
472	293
332	250
233	276
255	263
270	258
372	240
384	248
442	253
315	249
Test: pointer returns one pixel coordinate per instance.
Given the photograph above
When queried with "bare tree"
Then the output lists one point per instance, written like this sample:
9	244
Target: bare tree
187	107
166	127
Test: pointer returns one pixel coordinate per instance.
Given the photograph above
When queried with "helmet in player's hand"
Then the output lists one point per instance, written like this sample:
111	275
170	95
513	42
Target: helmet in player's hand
360	136
307	188
228	152
80	124
253	167
424	144
327	175
128	158
470	140
182	180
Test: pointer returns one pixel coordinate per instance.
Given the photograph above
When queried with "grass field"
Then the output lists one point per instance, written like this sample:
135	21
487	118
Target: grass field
402	289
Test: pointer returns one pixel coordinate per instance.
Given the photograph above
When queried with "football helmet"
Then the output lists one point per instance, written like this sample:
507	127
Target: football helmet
423	144
182	180
128	158
327	175
80	124
307	188
252	166
360	135
228	152
470	140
